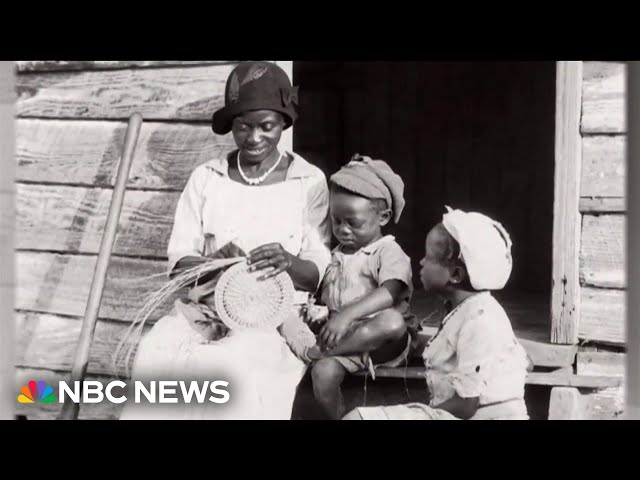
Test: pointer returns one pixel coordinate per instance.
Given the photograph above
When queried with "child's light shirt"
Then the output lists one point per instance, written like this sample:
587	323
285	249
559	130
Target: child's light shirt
476	354
352	276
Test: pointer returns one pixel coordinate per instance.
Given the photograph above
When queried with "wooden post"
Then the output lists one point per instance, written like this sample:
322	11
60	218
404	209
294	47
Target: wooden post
565	295
286	141
565	403
71	410
7	218
632	408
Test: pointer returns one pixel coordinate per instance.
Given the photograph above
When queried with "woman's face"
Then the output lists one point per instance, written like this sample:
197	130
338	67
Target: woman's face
257	134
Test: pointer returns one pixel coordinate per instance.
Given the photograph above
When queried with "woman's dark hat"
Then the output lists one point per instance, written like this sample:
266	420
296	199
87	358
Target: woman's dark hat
256	86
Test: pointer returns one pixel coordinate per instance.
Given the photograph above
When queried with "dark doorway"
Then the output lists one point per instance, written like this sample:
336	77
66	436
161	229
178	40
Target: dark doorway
471	135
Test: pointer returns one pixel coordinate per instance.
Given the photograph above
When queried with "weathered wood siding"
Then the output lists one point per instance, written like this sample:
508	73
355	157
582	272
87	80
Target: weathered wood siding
603	206
7	238
603	236
70	128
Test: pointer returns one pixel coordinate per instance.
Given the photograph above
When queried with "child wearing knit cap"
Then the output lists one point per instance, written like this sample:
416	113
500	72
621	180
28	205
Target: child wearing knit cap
368	285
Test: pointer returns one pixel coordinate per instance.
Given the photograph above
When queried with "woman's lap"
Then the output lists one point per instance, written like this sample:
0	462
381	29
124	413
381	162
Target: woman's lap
262	372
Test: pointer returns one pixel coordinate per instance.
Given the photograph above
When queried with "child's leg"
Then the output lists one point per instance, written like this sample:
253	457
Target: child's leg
327	375
378	333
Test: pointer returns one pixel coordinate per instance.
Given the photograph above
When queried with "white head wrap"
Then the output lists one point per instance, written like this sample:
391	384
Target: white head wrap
485	248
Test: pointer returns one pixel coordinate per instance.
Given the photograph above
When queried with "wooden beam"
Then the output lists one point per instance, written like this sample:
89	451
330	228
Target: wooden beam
632	329
572	380
602	251
561	378
75	65
544	354
81	152
601	363
603	166
190	94
602	317
70	409
565	306
603	205
565	403
7	238
72	219
604	97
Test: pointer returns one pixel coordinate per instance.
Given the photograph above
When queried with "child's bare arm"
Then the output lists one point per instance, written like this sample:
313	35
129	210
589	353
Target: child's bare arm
383	297
397	289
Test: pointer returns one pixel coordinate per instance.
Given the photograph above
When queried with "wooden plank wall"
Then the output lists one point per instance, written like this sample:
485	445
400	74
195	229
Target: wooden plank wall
70	127
602	203
476	135
602	247
7	238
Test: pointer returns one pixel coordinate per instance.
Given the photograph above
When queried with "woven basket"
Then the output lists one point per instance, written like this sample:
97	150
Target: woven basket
244	302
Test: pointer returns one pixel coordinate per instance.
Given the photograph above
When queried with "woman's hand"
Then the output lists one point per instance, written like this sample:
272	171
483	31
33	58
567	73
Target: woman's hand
303	273
271	255
229	250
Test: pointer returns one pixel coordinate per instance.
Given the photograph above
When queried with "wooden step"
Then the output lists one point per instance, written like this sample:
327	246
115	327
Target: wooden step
564	379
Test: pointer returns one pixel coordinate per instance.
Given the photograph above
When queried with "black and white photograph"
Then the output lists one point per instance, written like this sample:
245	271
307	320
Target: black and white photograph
319	240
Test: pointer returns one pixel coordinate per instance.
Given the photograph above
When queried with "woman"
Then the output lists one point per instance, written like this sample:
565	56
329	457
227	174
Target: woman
269	203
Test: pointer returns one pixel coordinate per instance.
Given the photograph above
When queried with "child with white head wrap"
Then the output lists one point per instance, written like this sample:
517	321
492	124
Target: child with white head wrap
485	248
475	366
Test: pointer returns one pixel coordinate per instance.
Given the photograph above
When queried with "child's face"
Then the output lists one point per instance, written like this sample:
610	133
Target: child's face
355	220
435	274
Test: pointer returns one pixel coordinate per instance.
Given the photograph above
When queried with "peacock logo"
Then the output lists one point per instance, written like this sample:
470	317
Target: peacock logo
42	394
